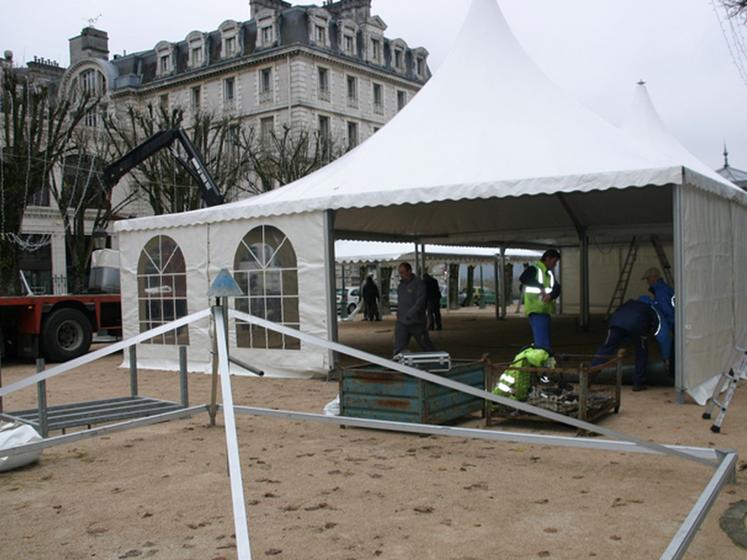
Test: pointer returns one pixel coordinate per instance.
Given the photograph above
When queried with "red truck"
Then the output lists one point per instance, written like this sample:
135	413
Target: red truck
59	328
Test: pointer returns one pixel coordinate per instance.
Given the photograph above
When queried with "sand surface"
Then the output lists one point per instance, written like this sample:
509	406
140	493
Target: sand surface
321	492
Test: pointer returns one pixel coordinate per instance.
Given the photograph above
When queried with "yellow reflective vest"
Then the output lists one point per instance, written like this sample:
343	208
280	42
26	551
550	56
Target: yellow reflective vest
533	295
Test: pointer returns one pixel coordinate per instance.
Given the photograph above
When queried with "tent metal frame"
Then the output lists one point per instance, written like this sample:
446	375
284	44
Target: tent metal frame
724	461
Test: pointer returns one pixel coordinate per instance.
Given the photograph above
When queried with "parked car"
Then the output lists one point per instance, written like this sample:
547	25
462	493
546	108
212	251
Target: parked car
352	299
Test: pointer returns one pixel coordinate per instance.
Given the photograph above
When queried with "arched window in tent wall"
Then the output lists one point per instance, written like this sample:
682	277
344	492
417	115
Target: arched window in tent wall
162	289
266	269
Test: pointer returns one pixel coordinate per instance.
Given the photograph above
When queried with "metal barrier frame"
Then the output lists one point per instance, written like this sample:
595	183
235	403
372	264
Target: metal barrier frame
724	461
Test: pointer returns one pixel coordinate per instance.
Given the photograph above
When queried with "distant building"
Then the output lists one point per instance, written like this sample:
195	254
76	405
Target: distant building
736	176
327	68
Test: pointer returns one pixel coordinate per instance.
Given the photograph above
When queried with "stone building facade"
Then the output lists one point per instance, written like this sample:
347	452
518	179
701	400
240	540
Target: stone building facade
326	68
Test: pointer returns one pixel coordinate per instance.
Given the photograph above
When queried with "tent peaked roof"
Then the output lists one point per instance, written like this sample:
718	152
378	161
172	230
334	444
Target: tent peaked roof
644	125
489	124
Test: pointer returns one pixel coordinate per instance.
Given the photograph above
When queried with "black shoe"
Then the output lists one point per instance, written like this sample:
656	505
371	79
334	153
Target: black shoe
637	388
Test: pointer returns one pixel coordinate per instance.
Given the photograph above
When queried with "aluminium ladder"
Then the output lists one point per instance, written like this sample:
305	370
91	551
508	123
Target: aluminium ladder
727	381
623	281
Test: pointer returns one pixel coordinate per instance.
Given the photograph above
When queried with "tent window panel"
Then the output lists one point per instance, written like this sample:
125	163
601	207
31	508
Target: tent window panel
162	289
290	342
290	283
266	268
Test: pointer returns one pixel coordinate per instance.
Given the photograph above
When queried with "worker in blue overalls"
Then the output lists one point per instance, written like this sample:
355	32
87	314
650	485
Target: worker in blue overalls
541	289
635	321
663	299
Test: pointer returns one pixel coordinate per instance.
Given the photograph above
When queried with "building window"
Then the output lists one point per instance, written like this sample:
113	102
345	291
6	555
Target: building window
321	35
323	80
420	67
162	289
266	269
165	63
229	46
196	56
92	82
376	129
378	99
267	36
196	98
323	127
267	130
349	43
352	91
352	135
398	59
229	92
376	50
163	102
401	100
265	85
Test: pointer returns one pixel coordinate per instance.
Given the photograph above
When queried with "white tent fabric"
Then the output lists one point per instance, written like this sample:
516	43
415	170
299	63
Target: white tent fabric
508	131
483	153
362	252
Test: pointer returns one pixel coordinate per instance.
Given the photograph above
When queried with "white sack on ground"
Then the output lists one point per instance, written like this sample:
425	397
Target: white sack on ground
14	434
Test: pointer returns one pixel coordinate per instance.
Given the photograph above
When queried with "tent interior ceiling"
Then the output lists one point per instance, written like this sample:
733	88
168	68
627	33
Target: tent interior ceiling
527	221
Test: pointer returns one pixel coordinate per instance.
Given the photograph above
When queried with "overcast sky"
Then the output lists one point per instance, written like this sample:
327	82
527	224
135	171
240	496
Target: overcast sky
596	49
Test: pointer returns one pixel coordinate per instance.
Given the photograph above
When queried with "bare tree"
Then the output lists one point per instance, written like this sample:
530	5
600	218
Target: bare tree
280	159
735	7
85	203
37	126
167	186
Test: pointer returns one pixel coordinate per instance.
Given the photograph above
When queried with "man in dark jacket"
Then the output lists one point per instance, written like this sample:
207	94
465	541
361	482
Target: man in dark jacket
433	302
370	294
635	321
411	304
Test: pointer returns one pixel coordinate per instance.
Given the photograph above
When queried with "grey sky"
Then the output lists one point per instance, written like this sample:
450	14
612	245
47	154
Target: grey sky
596	49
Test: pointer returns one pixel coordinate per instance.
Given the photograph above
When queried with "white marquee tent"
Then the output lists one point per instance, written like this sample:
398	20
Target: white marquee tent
490	152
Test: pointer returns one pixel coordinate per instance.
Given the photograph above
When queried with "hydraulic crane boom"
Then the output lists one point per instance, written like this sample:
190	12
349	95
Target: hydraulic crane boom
194	165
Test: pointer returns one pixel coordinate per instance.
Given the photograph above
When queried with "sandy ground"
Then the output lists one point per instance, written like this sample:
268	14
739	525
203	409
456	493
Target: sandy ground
326	493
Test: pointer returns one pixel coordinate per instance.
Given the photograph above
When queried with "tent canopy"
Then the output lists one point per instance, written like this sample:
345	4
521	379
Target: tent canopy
488	126
363	253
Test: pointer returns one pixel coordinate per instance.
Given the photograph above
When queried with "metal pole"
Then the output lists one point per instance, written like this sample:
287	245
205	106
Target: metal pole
417	259
505	286
329	256
584	299
41	399
183	381
344	296
424	266
1	377
213	406
499	291
679	290
133	371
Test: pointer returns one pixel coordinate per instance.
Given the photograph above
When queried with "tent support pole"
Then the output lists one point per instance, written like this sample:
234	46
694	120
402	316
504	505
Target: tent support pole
583	247
504	285
423	266
331	273
679	291
417	259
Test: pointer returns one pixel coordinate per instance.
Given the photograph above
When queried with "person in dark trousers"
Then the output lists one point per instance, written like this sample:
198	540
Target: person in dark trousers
635	321
540	292
433	302
411	306
370	294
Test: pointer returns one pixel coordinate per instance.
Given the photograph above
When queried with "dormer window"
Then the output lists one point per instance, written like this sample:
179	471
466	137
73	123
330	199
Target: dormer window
376	51
229	30
164	58
420	66
348	44
195	56
321	36
399	59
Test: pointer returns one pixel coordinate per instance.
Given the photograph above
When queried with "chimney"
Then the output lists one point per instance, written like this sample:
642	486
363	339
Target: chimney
259	5
91	43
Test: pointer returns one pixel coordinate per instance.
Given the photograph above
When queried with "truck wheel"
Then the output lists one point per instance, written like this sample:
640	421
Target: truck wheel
66	334
351	308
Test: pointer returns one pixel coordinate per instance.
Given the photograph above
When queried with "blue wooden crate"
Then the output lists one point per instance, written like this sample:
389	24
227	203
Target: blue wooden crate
369	391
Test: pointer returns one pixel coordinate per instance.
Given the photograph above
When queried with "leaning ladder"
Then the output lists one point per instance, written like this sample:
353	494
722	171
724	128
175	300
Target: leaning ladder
729	382
624	279
665	266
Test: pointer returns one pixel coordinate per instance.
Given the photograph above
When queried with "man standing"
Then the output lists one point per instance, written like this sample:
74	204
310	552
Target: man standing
433	302
370	294
635	321
663	294
410	312
540	292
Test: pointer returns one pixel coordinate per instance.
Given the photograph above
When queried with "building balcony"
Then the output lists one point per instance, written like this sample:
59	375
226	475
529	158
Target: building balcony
265	96
324	95
353	102
378	108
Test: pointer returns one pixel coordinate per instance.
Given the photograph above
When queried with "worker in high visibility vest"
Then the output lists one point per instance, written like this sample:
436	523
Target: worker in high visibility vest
541	289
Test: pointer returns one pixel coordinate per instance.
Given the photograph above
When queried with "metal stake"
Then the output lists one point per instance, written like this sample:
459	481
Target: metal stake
183	381
41	399
133	371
